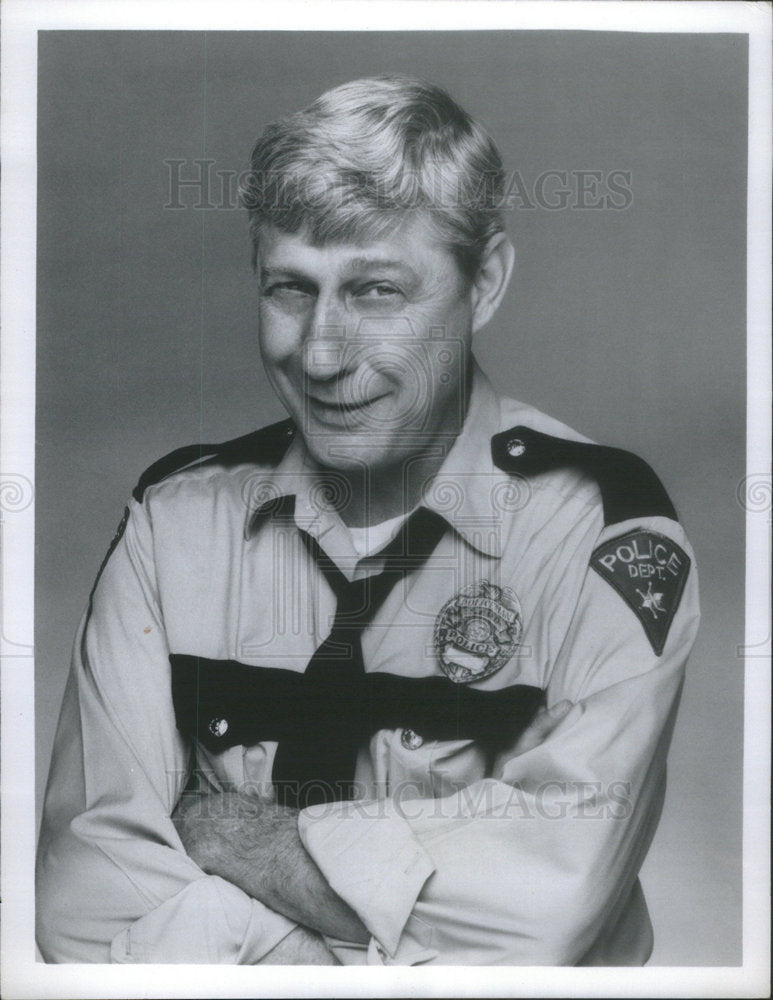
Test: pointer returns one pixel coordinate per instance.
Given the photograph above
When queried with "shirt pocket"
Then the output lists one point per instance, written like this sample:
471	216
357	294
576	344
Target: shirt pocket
406	766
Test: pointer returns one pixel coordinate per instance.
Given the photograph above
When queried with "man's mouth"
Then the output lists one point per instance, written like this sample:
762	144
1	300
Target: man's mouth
339	406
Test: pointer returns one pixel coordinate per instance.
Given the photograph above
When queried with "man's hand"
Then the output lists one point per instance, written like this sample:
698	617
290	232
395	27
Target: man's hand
300	947
540	727
255	845
538	730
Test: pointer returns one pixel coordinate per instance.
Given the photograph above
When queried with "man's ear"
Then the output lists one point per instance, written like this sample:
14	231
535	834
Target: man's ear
492	279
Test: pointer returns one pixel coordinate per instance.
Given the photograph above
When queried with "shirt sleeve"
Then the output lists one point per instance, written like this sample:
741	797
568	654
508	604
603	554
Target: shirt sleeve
536	863
114	882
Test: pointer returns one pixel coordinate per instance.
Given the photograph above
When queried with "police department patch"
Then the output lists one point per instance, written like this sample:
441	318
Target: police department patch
649	571
477	631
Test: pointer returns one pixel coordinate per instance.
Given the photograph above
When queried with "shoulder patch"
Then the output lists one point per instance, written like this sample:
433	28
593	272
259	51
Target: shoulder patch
629	487
649	571
267	445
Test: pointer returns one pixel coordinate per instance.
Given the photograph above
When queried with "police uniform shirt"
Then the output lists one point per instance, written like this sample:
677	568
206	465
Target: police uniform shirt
552	574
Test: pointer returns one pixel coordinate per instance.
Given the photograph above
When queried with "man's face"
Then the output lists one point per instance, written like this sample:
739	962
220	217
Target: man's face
367	345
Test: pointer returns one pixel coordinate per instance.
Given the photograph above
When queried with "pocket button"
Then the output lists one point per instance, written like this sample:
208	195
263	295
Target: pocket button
411	739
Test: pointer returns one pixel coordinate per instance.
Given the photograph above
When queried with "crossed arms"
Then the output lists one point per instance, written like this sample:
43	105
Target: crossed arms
255	845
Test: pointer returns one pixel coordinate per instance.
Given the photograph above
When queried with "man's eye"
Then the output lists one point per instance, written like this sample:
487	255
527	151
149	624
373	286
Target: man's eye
286	289
379	291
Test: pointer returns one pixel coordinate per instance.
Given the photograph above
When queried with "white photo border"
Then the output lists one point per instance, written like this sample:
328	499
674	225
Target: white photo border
22	975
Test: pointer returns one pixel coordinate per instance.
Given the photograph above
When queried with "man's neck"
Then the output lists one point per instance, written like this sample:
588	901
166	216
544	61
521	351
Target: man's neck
379	495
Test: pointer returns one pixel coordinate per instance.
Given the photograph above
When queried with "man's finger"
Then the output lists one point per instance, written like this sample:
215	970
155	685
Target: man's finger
541	726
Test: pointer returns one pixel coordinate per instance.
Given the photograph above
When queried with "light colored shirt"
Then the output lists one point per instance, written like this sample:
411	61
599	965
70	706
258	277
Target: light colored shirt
371	537
446	855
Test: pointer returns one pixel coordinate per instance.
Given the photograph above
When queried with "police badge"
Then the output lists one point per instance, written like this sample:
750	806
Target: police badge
477	631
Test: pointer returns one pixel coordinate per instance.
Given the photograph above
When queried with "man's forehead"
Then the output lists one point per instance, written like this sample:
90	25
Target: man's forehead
411	255
362	260
408	247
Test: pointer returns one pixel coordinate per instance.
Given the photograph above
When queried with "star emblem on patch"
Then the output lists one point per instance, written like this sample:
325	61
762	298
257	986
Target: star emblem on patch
651	602
477	631
649	571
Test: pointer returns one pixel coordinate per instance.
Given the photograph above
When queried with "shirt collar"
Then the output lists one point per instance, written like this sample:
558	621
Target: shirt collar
296	477
468	490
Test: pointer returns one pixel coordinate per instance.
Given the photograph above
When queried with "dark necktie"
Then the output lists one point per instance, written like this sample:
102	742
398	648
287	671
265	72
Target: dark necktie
318	764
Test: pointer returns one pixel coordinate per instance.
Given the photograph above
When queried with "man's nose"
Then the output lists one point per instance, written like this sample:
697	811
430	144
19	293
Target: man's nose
324	347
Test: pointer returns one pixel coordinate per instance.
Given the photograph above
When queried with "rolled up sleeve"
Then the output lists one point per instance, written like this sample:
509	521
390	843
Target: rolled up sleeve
210	921
375	863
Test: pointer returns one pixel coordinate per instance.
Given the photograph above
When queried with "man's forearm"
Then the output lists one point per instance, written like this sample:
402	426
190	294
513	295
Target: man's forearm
256	846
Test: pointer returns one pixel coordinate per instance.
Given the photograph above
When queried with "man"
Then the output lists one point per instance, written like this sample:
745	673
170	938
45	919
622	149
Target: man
392	681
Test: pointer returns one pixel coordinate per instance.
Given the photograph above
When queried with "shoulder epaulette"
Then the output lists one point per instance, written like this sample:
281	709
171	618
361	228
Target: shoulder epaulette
264	447
629	487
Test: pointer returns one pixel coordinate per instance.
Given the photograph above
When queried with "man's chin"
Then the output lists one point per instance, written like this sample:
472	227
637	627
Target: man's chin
350	451
344	452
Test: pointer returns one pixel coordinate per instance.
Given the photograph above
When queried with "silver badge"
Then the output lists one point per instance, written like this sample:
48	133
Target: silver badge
477	631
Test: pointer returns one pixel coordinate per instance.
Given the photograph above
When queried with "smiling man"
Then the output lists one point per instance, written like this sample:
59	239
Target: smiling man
344	338
391	681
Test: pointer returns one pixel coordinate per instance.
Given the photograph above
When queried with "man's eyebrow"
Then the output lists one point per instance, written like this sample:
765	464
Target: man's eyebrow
365	263
352	266
267	273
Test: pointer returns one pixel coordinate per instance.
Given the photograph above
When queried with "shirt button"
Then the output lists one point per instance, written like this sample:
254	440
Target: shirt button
218	727
411	740
515	447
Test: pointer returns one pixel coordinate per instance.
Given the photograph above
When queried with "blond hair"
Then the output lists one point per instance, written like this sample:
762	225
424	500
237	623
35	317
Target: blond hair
362	155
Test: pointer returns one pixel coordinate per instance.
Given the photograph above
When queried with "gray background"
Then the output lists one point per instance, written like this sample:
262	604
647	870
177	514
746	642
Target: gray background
628	325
